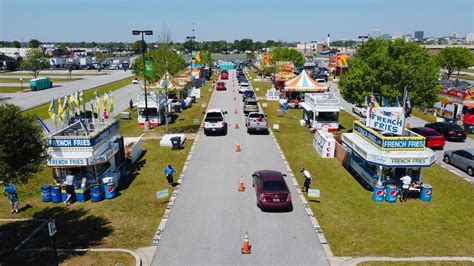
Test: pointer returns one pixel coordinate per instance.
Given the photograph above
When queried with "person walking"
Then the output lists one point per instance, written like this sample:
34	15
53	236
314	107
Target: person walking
169	172
406	181
307	179
10	191
69	188
131	104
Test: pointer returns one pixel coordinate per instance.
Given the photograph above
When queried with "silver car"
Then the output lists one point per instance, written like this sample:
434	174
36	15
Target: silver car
463	159
256	122
250	105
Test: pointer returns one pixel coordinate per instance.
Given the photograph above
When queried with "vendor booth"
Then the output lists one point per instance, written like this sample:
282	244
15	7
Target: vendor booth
321	110
156	105
92	153
296	88
284	72
381	160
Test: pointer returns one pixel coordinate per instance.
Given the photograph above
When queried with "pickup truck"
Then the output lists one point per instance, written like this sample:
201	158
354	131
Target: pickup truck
250	105
256	122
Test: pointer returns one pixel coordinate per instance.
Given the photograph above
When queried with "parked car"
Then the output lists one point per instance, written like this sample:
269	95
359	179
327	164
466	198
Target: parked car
451	131
247	94
250	105
220	86
434	139
359	110
271	190
214	122
224	75
256	122
463	159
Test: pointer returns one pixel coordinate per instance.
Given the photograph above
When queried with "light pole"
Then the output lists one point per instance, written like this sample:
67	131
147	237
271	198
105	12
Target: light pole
191	38
144	32
21	81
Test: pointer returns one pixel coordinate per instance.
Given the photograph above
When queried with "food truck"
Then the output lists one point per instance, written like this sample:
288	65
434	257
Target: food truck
156	108
321	110
382	159
457	99
94	153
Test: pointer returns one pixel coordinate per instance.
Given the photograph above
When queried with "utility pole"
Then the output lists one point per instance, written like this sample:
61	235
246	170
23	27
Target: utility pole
191	38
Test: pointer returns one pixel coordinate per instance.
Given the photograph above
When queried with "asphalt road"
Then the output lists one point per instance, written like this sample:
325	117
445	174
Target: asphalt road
417	122
33	98
210	216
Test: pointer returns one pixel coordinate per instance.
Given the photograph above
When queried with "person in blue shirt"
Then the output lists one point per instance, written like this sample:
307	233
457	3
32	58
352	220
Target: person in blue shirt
10	191
169	172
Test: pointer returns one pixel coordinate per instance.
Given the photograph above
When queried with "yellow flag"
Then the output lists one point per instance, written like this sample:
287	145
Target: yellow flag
104	101
60	109
52	110
111	102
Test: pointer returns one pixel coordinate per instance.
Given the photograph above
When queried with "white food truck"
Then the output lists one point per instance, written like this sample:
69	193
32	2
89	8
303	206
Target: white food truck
321	110
156	108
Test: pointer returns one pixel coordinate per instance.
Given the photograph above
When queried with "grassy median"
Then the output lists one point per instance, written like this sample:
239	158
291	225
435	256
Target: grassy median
27	80
49	74
42	110
355	225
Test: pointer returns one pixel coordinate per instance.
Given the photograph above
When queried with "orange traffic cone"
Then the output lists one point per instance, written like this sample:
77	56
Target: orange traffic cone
241	184
246	248
236	125
237	148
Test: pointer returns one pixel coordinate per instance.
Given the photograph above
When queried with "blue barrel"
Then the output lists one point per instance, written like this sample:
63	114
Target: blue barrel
46	193
97	193
110	191
82	194
391	193
284	106
377	194
56	196
426	192
64	195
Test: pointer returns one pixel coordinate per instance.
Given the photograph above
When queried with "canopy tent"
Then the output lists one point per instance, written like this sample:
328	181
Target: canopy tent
168	81
304	83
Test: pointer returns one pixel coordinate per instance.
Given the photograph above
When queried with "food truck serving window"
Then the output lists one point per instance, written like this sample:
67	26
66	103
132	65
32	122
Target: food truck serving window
78	172
328	116
151	111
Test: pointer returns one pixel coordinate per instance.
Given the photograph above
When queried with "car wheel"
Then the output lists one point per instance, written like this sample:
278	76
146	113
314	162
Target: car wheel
446	159
470	171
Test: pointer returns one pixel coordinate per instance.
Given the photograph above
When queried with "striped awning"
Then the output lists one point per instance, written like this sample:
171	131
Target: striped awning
304	83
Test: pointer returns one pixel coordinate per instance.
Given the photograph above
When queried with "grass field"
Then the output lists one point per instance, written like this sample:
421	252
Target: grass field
50	74
26	81
470	70
12	89
42	110
429	117
354	225
183	122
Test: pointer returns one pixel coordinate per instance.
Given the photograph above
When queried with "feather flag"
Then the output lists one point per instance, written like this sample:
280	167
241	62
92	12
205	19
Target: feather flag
65	108
385	103
52	111
397	102
366	101
60	109
105	99
111	102
83	126
406	103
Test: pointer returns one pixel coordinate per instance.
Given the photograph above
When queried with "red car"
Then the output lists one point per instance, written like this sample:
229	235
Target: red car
220	86
434	139
224	75
271	190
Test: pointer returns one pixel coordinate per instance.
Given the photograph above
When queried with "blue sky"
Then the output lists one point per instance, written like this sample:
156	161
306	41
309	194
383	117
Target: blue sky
302	20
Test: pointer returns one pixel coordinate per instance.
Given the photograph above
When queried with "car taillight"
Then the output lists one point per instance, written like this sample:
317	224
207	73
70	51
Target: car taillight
262	197
450	132
288	198
248	124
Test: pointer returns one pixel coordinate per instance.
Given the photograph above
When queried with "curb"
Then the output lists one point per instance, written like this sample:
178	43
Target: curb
356	261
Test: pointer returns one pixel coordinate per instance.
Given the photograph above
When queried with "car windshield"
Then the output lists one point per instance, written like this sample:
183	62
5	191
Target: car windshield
251	103
271	186
256	115
248	93
428	133
453	127
220	83
213	117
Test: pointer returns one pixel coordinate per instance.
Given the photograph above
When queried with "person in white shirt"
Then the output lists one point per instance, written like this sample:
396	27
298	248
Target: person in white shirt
69	188
307	179
406	181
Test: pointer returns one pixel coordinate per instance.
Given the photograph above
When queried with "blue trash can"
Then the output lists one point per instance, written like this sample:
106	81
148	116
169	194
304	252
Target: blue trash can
46	193
391	193
56	196
377	194
284	106
110	191
82	194
97	193
426	192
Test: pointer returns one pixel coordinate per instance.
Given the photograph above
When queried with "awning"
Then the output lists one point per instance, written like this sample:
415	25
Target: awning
304	83
307	107
372	154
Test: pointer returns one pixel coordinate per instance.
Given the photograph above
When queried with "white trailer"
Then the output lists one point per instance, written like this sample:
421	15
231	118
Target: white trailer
321	110
156	104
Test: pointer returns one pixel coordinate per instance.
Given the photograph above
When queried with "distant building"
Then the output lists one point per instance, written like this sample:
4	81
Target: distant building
470	38
7	62
14	52
419	35
312	46
386	36
454	35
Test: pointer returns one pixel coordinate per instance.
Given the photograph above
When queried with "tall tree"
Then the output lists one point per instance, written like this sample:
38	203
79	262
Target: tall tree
34	62
34	43
287	54
16	44
386	68
137	46
454	58
22	145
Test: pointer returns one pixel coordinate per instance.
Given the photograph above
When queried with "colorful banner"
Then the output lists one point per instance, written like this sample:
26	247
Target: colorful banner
148	68
342	59
388	119
266	59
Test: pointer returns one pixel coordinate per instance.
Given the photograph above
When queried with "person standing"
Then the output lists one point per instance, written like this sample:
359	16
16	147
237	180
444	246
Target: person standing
10	191
406	181
69	188
131	104
307	179
169	172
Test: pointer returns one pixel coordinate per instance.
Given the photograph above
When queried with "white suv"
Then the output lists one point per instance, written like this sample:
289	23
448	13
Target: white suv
214	122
